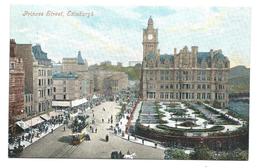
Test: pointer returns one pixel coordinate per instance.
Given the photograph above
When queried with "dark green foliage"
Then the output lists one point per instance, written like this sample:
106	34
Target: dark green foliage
202	153
175	154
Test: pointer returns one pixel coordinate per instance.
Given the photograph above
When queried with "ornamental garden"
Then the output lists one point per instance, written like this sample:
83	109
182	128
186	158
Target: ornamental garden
189	124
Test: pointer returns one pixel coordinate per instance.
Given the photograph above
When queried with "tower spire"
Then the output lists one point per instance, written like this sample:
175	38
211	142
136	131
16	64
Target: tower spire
150	21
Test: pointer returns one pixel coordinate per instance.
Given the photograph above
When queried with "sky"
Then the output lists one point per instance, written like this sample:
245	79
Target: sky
115	33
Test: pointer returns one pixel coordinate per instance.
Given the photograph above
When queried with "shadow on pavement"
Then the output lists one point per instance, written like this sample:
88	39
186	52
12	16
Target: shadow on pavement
102	139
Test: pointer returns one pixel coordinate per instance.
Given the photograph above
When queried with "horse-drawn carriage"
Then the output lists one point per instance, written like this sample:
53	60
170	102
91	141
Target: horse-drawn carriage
119	155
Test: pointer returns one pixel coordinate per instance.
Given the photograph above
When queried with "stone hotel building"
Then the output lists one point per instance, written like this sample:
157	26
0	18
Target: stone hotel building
187	75
38	79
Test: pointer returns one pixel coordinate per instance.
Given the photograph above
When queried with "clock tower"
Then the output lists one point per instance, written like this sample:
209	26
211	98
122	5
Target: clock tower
150	40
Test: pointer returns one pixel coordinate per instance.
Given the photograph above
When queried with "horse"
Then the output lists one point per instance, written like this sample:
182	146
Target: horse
131	156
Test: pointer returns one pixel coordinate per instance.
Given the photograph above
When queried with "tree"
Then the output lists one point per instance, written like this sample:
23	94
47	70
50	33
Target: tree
175	154
237	154
202	153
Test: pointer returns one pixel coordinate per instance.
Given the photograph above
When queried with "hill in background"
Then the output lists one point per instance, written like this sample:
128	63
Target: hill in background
239	79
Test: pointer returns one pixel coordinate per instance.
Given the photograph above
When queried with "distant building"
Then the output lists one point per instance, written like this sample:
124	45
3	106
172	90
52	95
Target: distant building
108	82
119	64
115	82
75	64
68	90
106	63
189	75
80	67
16	88
57	67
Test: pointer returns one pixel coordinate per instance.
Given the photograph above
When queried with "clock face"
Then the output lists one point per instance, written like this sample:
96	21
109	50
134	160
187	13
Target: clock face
150	36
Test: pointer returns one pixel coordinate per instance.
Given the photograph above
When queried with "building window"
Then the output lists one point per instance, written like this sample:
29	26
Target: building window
64	97
208	96
162	86
39	82
64	89
54	89
203	95
208	86
166	95
171	96
161	95
203	86
171	86
177	95
12	66
54	97
198	95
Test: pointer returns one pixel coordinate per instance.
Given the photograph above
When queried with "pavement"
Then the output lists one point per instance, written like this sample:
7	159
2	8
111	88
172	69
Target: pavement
56	145
26	143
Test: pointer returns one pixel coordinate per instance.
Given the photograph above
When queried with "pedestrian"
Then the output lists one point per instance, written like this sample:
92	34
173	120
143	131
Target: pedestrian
52	130
107	138
96	130
64	128
128	138
102	120
93	115
155	145
143	141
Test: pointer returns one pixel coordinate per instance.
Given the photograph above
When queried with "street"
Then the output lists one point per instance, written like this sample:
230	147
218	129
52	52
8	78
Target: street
57	144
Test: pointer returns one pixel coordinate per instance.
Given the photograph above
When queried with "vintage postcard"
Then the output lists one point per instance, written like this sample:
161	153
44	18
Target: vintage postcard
129	82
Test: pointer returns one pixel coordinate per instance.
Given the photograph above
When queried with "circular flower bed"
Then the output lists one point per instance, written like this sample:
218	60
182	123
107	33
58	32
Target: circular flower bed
188	124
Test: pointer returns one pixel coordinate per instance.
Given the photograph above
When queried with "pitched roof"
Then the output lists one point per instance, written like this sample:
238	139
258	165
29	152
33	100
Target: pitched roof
166	57
65	75
203	56
38	53
80	59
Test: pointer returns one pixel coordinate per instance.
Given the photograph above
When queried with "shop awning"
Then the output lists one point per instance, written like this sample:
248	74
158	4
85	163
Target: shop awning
45	117
61	103
54	113
78	102
22	125
34	121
